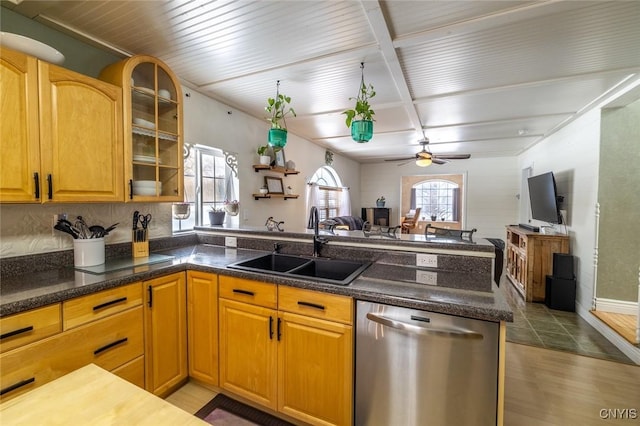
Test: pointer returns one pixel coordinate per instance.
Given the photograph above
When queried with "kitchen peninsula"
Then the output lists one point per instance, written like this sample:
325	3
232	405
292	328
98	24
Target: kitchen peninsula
461	286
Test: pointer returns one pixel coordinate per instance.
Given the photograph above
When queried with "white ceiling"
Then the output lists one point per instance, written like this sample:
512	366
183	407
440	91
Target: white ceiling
489	78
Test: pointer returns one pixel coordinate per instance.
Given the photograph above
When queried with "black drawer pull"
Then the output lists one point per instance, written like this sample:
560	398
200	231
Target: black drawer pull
36	179
17	385
311	305
270	327
50	186
105	304
14	332
248	293
110	345
279	328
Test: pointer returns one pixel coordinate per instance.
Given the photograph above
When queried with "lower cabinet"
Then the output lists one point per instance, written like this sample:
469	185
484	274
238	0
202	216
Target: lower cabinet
165	323
315	370
109	343
202	326
287	349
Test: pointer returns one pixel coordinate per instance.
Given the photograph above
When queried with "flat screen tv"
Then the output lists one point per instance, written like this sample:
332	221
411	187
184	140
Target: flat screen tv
543	197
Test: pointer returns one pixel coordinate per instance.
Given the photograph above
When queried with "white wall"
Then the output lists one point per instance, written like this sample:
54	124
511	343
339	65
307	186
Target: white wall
491	188
208	122
572	155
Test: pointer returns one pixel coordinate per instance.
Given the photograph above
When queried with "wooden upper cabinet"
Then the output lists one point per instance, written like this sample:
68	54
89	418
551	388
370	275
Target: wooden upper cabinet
61	134
153	128
19	138
80	136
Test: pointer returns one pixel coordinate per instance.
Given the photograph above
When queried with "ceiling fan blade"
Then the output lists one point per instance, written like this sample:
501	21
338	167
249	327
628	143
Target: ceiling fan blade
406	162
438	161
452	156
400	159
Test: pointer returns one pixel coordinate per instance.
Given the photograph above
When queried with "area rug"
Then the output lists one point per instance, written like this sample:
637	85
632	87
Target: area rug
224	411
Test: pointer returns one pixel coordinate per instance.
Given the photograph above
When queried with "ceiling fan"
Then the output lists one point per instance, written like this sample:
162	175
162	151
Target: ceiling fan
425	158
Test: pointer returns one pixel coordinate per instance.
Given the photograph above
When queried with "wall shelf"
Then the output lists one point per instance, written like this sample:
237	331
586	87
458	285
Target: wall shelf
282	170
284	196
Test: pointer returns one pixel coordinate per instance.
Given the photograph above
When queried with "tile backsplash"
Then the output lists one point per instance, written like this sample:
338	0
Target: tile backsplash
28	229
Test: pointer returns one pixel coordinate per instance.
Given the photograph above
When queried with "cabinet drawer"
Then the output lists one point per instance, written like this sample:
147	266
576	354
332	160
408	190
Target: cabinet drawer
27	327
108	343
89	308
316	304
248	291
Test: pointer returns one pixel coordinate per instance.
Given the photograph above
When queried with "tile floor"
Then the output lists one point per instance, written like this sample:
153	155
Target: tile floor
536	325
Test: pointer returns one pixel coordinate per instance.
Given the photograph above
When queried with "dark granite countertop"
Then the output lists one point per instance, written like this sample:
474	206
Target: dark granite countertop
445	292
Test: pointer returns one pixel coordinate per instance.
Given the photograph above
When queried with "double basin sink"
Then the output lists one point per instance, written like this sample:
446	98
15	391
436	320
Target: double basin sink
333	271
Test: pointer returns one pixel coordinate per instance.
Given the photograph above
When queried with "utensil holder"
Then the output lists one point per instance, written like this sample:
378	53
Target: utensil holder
140	243
88	252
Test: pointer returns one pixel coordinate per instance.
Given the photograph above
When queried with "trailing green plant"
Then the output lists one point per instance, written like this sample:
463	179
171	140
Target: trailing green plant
362	110
278	108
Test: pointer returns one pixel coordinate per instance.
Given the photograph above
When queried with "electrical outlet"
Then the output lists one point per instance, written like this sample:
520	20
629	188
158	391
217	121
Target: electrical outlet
231	241
427	260
426	277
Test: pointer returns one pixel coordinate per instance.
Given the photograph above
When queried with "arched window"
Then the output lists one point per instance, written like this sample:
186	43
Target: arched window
327	194
438	199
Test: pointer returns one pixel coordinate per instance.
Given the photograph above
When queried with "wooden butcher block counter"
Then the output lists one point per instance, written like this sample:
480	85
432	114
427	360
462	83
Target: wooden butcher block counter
92	396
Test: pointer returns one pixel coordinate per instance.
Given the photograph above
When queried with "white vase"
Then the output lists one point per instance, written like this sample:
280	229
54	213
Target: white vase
265	160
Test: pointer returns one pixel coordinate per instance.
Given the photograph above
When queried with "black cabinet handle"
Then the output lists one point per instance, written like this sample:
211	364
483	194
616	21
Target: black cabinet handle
106	304
311	305
36	179
50	186
110	345
16	386
131	189
279	328
150	302
248	293
15	332
270	328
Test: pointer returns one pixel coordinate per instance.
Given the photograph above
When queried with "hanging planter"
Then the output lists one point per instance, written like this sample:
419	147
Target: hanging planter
362	130
277	138
278	108
360	119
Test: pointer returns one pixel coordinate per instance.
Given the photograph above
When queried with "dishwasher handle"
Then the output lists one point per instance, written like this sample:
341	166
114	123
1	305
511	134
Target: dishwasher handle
459	333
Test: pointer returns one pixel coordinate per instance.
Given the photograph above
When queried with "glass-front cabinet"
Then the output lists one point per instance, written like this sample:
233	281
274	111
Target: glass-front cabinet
153	127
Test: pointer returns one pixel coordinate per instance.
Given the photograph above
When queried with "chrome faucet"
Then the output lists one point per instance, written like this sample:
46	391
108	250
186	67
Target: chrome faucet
318	241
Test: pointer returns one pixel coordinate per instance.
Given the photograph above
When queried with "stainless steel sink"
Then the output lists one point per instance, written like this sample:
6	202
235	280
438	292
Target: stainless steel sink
340	272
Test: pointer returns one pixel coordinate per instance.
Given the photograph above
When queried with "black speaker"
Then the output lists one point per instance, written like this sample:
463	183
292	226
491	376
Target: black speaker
560	294
563	266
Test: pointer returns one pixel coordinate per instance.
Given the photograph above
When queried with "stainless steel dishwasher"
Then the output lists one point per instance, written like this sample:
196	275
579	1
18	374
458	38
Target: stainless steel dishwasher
421	368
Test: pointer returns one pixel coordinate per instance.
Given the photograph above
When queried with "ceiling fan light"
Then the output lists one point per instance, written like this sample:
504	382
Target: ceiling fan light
423	162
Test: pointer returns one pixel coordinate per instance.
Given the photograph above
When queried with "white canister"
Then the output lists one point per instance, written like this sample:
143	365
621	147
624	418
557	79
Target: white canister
88	252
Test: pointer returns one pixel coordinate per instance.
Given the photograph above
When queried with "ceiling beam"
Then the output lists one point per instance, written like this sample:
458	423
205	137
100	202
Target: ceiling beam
381	32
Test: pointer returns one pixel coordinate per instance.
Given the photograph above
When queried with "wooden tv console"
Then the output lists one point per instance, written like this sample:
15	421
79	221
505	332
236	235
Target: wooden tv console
530	260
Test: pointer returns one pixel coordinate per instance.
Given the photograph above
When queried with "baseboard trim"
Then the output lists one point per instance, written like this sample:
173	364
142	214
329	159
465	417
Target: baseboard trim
616	306
618	341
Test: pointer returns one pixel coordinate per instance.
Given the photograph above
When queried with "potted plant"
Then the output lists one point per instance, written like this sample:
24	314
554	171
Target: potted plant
232	207
380	202
216	216
360	118
262	151
278	108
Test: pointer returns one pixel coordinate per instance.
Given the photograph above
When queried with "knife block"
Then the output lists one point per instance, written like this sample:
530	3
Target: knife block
140	244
